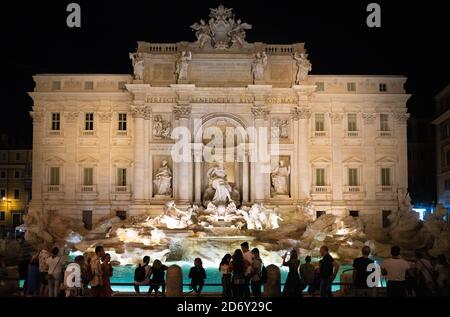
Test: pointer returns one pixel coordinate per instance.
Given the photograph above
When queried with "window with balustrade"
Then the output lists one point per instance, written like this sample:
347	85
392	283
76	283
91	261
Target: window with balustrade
88	176
89	121
320	121
320	177
353	177
385	176
384	122
352	122
121	177
56	121
54	176
122	122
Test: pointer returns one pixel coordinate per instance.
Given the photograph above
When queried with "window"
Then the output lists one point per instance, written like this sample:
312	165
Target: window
56	85
384	122
354	213
385	176
16	194
2	216
122	214
88	176
386	221
320	213
122	122
89	85
351	118
447	157
446	131
446	185
89	122
320	122
17	156
2	193
351	87
3	156
382	87
56	121
320	177
54	176
320	86
353	177
121	177
3	174
16	174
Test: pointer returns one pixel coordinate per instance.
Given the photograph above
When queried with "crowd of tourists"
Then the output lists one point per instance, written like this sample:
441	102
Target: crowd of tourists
243	274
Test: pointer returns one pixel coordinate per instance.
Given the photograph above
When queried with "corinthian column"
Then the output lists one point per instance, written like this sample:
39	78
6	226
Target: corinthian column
140	113
303	114
336	153
401	120
184	173
260	175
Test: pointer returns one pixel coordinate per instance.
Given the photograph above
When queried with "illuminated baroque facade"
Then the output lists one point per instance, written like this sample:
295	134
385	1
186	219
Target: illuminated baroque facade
102	143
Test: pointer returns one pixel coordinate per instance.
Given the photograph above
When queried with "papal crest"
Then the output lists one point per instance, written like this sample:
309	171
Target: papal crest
221	31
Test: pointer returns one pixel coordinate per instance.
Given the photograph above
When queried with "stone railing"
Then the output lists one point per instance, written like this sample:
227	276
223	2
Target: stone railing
280	49
353	189
321	189
384	134
54	188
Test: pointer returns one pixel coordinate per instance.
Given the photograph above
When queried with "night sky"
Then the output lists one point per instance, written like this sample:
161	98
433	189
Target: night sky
413	41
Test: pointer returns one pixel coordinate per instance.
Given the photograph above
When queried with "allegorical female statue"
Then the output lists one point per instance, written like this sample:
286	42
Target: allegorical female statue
218	181
280	179
182	66
138	65
303	67
259	66
162	180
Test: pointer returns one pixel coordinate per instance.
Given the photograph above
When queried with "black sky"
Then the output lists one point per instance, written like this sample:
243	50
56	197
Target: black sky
413	41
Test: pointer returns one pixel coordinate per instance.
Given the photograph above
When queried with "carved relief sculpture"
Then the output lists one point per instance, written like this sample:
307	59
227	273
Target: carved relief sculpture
222	30
280	129
161	127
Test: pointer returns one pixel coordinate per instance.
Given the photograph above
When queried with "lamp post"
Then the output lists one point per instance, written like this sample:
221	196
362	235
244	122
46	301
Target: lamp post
5	200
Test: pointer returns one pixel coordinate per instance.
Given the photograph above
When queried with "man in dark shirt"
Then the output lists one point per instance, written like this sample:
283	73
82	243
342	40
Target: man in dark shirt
197	274
328	270
360	274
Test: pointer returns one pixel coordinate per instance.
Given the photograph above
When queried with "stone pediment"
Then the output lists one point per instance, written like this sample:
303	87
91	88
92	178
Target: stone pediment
321	159
121	160
53	159
353	159
87	159
387	159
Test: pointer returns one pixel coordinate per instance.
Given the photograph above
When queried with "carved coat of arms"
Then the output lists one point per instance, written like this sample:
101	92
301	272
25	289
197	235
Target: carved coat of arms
222	30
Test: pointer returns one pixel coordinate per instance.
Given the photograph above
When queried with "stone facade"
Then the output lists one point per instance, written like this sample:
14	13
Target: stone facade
338	134
442	123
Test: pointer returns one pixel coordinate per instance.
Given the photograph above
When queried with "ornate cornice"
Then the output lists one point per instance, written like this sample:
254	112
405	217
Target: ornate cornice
336	117
143	112
401	117
301	113
37	116
369	117
104	116
260	111
182	111
71	117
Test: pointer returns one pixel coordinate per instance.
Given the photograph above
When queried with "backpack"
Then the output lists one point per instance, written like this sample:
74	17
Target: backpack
263	278
139	273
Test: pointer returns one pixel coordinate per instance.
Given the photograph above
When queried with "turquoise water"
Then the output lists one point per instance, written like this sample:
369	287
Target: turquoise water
125	274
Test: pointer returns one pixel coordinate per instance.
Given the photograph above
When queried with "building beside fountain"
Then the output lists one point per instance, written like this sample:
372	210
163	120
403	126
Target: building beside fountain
103	145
